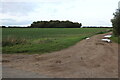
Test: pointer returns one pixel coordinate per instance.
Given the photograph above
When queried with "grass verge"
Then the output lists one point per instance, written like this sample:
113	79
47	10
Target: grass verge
115	39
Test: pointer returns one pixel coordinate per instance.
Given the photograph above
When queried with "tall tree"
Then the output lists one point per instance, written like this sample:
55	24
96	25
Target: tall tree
116	23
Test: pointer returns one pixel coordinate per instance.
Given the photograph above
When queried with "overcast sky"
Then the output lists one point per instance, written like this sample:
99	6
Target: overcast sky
87	12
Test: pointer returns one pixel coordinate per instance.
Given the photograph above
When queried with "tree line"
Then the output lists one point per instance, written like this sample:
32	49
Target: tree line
55	24
50	24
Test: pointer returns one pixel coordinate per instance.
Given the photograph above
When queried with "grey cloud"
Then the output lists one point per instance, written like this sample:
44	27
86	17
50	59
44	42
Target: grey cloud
8	22
18	8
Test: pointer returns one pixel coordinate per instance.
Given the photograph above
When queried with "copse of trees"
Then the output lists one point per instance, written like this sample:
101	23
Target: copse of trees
116	23
55	24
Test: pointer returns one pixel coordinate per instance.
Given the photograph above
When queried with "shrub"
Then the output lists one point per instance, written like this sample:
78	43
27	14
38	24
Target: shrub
13	41
116	23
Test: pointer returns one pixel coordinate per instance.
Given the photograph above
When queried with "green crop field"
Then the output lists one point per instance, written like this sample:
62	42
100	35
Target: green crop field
44	40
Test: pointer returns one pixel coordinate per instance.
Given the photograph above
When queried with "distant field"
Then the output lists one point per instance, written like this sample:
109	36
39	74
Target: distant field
44	40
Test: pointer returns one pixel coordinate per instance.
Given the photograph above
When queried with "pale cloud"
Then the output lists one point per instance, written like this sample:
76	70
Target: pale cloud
31	0
14	22
88	12
119	4
17	8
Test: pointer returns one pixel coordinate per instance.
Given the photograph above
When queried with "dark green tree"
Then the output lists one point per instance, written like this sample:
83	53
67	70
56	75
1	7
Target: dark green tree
116	23
55	24
3	26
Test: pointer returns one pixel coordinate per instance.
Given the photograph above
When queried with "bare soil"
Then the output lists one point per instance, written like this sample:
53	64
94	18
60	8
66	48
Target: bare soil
87	59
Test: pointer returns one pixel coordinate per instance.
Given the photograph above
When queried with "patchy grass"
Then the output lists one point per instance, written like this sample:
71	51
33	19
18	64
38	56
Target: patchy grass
10	41
44	40
115	39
